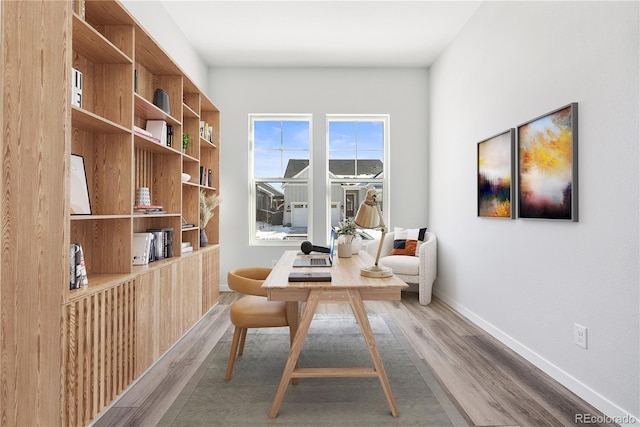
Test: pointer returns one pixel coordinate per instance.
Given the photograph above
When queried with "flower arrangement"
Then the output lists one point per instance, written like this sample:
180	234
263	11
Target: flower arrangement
207	206
347	228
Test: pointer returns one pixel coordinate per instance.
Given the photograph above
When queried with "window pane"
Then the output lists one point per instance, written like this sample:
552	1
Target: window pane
281	210
267	134
276	142
361	142
370	136
342	135
295	135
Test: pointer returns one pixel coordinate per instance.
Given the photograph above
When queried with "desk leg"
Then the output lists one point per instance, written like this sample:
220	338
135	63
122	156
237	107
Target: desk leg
293	318
303	328
360	313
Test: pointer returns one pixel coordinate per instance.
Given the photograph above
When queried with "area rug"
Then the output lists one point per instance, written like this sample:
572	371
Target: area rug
333	341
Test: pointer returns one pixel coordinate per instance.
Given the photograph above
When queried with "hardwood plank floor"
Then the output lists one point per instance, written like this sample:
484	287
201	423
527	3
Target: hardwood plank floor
489	383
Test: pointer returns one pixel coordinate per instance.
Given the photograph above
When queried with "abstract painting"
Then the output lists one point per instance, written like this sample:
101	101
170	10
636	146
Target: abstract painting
548	166
495	172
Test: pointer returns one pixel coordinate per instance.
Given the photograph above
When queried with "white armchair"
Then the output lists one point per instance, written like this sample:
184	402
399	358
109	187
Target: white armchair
419	272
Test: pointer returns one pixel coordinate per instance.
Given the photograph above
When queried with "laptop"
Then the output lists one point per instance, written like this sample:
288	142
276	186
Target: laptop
317	261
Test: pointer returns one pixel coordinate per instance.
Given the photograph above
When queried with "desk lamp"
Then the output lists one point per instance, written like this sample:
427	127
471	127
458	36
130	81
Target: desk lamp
370	216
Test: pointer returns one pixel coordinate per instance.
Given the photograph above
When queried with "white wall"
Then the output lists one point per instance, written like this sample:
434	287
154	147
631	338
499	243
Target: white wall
402	93
155	19
528	282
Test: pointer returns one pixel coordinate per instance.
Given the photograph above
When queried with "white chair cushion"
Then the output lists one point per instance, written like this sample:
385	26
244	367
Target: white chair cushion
402	264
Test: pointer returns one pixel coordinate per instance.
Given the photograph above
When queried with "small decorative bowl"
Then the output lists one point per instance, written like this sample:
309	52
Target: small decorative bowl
186	177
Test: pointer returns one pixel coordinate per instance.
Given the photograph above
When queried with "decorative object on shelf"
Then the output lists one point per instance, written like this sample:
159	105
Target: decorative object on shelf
185	142
143	196
161	100
207	206
370	216
185	177
548	166
80	204
496	168
345	232
76	88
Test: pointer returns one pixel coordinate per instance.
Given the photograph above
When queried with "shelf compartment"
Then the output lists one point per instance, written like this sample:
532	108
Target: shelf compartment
107	160
188	112
161	173
106	88
104	235
95	46
89	121
146	144
146	110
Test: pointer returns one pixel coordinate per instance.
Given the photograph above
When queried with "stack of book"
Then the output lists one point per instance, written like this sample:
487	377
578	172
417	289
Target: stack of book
162	244
205	176
186	248
148	209
159	131
77	269
206	131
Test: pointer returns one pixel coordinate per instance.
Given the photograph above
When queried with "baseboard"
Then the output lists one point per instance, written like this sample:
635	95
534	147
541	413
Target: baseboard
224	287
613	413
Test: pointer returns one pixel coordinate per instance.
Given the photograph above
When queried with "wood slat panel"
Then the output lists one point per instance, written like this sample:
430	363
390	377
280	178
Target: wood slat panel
210	277
99	334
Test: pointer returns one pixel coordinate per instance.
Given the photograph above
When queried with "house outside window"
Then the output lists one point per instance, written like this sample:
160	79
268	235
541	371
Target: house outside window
280	170
358	154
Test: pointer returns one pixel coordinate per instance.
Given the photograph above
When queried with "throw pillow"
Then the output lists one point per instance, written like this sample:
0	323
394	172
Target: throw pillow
407	241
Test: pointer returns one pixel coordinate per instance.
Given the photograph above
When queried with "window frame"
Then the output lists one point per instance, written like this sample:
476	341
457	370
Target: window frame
254	181
384	181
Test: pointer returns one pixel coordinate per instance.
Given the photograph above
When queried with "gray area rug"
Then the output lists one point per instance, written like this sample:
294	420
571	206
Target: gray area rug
333	341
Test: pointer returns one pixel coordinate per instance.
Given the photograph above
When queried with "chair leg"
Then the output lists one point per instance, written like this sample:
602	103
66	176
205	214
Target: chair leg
232	354
243	337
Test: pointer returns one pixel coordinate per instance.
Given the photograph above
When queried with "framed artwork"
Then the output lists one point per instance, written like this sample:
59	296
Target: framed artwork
80	204
548	166
496	169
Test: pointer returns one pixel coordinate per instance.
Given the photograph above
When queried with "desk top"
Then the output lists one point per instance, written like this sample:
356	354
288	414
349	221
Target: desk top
345	273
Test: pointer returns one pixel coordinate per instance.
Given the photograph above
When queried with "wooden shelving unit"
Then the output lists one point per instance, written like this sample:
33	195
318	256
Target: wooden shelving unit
115	328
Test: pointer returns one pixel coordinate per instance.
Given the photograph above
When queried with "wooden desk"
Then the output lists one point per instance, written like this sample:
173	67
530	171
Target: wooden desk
347	286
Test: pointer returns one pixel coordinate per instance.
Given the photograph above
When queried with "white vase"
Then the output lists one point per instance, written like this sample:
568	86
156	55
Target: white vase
344	250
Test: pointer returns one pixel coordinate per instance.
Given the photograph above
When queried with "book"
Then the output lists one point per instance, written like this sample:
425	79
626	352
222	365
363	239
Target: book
158	129
169	136
165	241
77	267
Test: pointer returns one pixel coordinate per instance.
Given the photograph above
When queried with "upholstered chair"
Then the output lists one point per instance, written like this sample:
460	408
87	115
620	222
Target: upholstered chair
418	271
252	310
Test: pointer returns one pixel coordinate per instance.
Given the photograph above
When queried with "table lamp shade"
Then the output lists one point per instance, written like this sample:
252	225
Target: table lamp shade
369	215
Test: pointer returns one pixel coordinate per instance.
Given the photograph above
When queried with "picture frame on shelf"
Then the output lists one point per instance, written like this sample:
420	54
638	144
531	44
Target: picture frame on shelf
80	201
548	166
496	173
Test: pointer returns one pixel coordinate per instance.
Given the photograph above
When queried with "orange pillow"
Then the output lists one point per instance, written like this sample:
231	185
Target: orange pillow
404	247
408	240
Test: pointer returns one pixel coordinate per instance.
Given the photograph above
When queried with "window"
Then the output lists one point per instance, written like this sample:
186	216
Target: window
280	165
358	155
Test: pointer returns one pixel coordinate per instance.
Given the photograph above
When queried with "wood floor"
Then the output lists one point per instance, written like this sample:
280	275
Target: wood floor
489	383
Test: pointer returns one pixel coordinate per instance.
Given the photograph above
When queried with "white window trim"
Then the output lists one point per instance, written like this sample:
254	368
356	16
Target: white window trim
385	118
253	241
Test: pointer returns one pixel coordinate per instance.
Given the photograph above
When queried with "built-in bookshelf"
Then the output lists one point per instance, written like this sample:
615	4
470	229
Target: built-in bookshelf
122	67
91	343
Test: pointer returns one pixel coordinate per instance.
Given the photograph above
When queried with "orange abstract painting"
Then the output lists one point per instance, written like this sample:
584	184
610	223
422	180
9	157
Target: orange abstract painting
547	169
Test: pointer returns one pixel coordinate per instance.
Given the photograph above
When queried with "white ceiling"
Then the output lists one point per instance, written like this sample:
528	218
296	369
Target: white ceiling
320	33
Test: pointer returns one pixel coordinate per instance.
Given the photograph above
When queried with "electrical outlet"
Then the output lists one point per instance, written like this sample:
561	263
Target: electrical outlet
580	335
